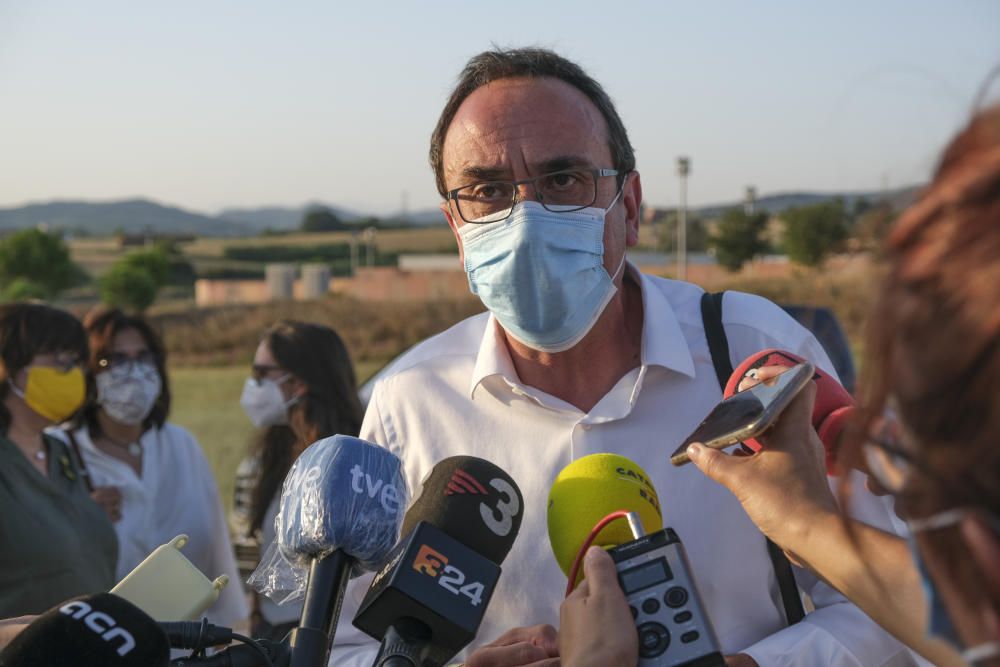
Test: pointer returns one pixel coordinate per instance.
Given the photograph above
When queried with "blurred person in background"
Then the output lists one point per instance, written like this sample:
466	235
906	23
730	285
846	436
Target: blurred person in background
934	370
302	389
55	542
150	475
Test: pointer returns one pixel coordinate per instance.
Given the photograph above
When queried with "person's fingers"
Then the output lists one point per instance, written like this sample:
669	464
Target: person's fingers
581	592
599	570
544	636
795	423
717	466
521	653
547	638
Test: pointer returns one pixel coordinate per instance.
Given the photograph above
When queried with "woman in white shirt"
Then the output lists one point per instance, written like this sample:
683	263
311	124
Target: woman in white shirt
150	475
302	388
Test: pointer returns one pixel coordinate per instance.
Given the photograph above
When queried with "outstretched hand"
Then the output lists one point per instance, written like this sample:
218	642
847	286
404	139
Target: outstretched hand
783	487
595	624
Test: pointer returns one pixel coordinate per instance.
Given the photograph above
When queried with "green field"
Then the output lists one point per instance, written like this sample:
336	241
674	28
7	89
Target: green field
206	401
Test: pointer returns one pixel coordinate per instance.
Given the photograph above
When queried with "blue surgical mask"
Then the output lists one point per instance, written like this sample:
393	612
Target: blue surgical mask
541	273
939	621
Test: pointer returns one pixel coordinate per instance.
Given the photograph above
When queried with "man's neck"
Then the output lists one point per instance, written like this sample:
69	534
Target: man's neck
583	374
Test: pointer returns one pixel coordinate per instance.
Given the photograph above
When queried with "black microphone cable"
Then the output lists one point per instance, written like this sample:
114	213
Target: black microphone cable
198	636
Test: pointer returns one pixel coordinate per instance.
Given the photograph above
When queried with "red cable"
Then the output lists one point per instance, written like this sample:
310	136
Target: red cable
574	571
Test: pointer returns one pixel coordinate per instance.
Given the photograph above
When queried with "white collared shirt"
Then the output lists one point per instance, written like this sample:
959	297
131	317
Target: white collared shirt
175	494
458	393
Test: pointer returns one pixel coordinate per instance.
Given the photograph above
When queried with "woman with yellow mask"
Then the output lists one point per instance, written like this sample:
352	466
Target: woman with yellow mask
55	542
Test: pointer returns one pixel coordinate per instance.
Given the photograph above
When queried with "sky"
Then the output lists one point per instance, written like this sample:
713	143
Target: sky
216	104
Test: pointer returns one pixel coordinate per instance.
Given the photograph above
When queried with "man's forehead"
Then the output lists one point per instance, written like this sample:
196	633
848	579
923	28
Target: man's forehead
517	123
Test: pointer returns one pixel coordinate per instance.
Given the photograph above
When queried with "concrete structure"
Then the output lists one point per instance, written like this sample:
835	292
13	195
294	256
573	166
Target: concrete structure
315	280
280	279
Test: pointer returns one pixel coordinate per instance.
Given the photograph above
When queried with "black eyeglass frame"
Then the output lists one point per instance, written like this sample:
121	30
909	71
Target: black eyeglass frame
596	172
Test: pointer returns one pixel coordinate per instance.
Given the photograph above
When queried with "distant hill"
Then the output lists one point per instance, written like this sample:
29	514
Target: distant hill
282	218
136	216
132	216
776	203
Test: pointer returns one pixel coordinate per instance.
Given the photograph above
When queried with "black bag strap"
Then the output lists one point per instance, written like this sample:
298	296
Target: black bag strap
80	463
718	347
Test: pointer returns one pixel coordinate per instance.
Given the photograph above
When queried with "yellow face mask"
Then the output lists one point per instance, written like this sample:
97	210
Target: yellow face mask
53	393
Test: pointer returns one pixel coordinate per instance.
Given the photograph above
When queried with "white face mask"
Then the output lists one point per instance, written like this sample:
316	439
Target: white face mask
129	397
264	403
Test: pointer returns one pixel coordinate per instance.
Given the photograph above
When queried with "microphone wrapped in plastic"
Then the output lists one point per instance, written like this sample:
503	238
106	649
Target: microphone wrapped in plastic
100	630
341	507
428	602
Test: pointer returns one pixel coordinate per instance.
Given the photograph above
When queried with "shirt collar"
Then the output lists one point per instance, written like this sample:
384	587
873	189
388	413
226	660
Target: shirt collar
663	342
492	359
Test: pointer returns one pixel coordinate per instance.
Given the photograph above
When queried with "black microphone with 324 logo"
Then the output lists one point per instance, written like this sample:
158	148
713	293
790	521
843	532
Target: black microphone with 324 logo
428	601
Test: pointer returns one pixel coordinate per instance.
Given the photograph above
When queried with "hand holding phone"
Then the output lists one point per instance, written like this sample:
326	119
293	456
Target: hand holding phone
833	408
747	414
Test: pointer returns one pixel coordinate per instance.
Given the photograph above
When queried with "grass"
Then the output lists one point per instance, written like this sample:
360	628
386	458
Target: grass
206	401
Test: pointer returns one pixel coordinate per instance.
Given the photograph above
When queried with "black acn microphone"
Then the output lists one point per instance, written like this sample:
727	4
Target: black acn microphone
341	506
100	630
428	602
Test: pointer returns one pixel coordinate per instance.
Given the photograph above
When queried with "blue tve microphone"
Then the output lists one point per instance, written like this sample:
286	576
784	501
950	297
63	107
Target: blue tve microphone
341	507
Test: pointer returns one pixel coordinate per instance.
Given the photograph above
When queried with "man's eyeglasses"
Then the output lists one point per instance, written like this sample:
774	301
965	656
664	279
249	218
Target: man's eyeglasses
561	191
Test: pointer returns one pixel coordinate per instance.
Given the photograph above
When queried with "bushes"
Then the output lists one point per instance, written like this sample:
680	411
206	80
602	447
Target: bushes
35	264
128	286
327	252
133	281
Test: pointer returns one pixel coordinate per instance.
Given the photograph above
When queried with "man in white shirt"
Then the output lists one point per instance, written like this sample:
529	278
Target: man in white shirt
580	353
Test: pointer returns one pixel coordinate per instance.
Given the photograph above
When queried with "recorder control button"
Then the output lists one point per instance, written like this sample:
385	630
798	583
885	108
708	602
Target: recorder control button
682	617
653	640
651	606
689	637
675	597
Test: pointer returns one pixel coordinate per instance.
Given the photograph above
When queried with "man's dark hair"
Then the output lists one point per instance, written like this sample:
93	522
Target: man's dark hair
497	64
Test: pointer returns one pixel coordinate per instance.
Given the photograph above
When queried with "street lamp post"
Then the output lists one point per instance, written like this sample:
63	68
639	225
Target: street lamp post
750	200
683	169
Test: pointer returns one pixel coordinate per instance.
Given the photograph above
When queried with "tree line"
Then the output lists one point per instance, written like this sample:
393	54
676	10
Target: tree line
808	235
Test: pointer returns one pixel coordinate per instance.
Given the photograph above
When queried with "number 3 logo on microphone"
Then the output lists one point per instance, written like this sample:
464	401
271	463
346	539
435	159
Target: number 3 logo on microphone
500	519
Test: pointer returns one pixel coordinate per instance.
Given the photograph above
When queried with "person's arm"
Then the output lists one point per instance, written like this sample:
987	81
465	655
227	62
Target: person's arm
595	626
784	490
11	627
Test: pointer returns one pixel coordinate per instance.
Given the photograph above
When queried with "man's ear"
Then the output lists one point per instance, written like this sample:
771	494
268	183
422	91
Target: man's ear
632	202
446	209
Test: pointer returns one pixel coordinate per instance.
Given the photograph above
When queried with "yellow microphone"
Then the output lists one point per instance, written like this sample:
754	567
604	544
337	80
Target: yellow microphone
588	490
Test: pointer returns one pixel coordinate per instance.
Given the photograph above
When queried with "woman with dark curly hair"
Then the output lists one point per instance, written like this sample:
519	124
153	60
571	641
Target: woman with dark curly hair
150	475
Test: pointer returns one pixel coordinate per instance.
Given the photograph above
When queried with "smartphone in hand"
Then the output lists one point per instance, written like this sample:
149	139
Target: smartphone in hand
747	414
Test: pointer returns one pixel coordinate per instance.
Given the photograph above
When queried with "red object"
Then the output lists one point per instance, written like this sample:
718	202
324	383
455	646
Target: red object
574	571
833	408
